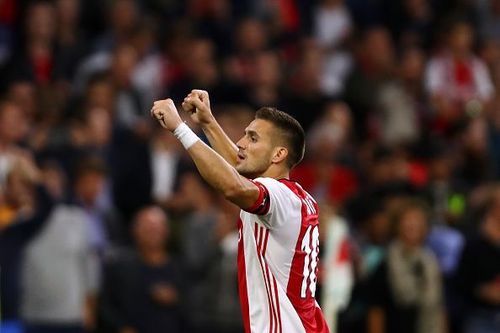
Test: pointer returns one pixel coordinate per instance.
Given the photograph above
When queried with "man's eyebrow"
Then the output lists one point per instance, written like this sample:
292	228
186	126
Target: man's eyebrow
252	133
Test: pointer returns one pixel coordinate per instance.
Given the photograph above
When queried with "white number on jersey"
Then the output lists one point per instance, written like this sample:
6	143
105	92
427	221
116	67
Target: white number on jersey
310	245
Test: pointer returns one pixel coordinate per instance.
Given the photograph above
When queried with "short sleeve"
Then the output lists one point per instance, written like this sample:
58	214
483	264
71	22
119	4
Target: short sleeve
275	202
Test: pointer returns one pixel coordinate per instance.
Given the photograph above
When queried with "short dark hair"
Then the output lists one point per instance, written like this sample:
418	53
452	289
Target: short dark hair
290	130
90	165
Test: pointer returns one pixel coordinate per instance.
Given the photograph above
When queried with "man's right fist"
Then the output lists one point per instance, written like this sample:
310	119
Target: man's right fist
166	113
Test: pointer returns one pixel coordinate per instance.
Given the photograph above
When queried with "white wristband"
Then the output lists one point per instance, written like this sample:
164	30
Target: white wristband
185	135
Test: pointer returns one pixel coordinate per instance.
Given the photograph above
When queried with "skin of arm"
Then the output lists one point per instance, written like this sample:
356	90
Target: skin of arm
213	168
197	104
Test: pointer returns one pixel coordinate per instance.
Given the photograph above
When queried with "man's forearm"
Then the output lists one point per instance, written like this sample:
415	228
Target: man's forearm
222	176
220	142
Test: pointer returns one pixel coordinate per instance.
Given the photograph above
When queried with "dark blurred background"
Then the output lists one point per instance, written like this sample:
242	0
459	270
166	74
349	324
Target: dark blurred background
105	225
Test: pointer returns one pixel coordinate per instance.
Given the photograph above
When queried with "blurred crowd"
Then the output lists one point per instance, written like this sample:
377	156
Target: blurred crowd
105	226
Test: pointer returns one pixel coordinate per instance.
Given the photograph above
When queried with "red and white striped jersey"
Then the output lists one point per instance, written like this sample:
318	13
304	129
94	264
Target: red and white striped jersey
278	253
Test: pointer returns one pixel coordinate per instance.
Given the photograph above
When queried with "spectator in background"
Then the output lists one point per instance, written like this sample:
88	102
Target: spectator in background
70	42
370	235
250	38
406	291
478	275
412	22
8	11
489	19
35	59
304	95
400	101
333	23
146	77
374	65
209	248
475	166
141	290
321	174
225	314
332	28
14	126
457	81
129	111
336	269
123	16
25	205
165	160
199	249
60	269
104	226
199	69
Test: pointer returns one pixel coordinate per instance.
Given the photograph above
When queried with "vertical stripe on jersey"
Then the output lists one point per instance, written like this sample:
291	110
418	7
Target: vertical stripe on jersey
242	279
261	237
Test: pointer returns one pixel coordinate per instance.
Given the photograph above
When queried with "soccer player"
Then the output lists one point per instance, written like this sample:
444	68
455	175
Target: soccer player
278	226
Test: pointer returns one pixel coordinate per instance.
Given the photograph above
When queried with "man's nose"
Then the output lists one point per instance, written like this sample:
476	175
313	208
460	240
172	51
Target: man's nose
241	143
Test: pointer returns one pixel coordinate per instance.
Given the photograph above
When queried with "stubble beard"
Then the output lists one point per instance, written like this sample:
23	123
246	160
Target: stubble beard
248	172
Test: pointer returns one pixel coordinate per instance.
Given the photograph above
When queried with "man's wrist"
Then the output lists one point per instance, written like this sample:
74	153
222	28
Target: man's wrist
185	135
210	122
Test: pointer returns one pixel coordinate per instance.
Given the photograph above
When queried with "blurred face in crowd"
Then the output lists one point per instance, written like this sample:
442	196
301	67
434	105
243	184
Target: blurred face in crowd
461	39
68	12
412	227
23	93
475	138
378	47
338	121
54	180
379	227
308	73
99	125
267	70
494	207
41	22
201	64
124	61
256	148
101	94
18	190
123	15
150	229
441	168
13	123
251	36
89	185
412	64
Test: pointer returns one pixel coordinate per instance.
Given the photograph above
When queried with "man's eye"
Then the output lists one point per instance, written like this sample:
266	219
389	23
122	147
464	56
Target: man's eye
253	139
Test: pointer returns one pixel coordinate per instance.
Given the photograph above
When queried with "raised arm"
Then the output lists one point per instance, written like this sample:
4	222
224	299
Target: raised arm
213	168
197	104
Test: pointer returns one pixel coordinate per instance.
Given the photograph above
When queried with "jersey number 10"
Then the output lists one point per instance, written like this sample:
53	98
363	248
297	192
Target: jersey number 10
310	245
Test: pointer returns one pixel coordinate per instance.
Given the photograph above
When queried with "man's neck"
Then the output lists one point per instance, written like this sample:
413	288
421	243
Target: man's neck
276	173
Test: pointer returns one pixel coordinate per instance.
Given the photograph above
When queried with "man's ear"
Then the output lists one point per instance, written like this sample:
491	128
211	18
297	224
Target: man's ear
280	154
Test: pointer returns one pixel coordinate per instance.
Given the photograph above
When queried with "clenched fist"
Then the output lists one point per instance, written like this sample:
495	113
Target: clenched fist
166	113
197	103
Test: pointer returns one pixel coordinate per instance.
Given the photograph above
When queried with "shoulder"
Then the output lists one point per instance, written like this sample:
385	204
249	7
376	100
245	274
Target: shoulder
69	213
283	186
